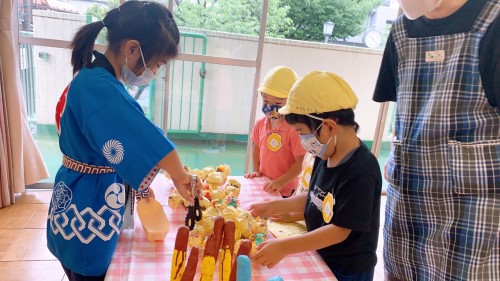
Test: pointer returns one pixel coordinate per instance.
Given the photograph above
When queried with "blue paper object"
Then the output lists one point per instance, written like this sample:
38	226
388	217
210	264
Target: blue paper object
244	269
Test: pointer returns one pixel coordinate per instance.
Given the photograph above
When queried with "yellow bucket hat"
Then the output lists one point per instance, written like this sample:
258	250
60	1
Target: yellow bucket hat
319	92
278	81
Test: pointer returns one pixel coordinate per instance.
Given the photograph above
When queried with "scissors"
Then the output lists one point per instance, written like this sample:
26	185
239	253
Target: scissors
194	210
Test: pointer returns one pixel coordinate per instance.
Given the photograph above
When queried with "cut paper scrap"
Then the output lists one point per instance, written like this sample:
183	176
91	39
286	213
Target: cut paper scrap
283	229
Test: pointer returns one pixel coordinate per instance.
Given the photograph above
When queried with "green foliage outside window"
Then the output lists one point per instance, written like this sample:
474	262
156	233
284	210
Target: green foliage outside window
291	19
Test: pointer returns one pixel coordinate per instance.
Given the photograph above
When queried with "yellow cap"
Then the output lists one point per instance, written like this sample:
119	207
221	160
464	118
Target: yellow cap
319	92
278	81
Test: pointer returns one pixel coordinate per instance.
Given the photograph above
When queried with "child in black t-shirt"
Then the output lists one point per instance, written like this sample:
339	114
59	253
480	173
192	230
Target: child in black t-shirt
342	207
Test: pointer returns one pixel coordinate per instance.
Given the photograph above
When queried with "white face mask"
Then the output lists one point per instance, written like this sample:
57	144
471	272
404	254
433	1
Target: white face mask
129	77
312	145
414	9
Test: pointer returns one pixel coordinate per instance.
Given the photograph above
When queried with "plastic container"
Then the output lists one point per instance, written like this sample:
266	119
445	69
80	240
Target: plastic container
153	219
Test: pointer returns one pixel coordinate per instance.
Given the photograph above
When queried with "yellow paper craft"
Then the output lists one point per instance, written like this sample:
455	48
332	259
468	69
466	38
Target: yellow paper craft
283	229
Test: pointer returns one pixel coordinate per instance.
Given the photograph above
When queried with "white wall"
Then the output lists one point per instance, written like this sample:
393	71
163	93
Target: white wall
228	90
54	73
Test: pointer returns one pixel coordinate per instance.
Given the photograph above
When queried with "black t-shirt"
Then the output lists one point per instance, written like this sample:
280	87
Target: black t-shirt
355	185
459	22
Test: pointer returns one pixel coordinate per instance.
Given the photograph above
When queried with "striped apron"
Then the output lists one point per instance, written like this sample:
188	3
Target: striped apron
443	205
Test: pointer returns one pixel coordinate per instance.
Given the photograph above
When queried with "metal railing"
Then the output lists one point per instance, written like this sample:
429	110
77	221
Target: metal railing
187	80
27	69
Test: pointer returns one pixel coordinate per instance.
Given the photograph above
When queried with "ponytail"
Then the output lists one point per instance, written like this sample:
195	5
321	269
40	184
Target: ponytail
83	45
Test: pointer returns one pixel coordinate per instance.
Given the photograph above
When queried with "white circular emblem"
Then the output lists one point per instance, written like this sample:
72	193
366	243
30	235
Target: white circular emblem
115	195
113	151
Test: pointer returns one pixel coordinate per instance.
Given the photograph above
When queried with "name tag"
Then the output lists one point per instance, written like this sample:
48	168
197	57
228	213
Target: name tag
433	56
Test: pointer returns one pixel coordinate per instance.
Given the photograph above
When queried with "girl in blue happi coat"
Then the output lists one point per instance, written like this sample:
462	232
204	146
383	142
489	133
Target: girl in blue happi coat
105	137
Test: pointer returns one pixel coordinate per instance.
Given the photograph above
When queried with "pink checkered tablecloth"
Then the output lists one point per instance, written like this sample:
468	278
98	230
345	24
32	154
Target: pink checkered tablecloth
137	259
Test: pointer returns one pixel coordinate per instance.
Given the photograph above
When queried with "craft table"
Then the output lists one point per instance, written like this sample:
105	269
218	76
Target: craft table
137	259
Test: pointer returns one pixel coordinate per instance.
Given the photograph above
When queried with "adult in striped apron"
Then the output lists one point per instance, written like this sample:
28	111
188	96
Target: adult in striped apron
443	203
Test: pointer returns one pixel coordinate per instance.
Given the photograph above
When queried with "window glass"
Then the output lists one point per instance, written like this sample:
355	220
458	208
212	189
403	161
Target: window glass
203	99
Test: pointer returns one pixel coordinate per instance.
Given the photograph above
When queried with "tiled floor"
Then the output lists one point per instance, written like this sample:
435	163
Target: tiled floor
23	250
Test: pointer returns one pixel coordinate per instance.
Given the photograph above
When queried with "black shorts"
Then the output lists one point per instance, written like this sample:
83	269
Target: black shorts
77	277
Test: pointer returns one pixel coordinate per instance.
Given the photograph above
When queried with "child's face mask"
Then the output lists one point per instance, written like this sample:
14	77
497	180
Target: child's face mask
130	78
312	145
271	110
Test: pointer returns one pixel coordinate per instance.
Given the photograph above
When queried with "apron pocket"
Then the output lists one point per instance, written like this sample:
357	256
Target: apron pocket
475	167
393	165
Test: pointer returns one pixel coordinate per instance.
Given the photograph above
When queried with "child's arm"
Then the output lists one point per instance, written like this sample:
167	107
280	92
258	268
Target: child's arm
287	217
277	184
255	163
295	203
182	180
273	251
255	158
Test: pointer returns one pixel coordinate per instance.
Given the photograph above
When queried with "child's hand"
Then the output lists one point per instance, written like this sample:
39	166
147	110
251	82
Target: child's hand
253	175
270	252
183	185
273	187
282	217
262	210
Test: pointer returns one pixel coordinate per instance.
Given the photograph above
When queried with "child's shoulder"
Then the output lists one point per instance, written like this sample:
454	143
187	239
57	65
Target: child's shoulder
366	154
97	81
98	77
364	162
260	123
261	120
95	87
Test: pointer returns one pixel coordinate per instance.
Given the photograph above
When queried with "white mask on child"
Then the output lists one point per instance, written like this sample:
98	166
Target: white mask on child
311	144
130	78
414	9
